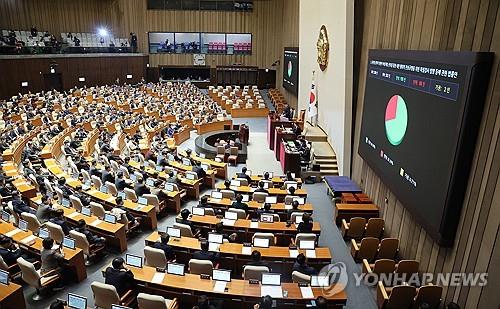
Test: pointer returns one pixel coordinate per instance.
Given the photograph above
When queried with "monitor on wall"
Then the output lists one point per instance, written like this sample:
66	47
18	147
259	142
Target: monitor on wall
421	114
291	69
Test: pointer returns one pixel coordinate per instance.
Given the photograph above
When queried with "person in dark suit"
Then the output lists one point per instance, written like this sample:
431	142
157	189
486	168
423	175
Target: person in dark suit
107	175
120	183
238	204
295	208
91	238
185	213
119	276
257	260
204	202
83	197
58	218
172	178
61	184
19	205
140	188
199	170
244	175
260	188
163	245
94	171
300	265
265	210
306	225
204	254
9	251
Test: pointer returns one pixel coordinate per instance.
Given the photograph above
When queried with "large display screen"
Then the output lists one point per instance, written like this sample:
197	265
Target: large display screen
418	129
291	69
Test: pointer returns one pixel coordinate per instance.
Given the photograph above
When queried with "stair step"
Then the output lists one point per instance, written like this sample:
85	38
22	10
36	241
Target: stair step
325	161
324	157
328	166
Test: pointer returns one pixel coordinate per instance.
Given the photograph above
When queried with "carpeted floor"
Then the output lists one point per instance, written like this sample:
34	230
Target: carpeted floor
260	159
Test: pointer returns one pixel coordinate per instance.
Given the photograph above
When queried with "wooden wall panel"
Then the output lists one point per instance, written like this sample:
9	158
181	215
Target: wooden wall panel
96	70
442	25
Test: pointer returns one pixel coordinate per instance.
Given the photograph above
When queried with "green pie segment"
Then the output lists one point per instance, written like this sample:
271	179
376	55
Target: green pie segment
396	120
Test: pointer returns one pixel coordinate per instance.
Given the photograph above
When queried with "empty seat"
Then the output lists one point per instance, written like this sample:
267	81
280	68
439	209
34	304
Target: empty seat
251	272
155	257
33	277
149	301
355	229
199	267
398	297
388	248
367	249
105	295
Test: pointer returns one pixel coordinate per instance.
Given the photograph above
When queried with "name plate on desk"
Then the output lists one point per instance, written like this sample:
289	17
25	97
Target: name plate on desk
254	225
228	222
72	215
28	241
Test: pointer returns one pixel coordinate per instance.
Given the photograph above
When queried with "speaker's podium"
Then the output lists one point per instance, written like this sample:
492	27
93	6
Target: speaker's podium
289	157
273	121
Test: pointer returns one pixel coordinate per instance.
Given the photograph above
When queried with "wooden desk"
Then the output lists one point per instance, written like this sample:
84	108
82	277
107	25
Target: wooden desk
271	129
212	126
249	112
107	200
290	160
245	229
182	136
281	135
12	297
232	256
348	211
279	208
115	234
74	258
277	180
219	167
240	293
280	193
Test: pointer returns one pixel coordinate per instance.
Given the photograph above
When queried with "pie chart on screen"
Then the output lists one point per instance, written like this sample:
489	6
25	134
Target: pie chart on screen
289	68
396	120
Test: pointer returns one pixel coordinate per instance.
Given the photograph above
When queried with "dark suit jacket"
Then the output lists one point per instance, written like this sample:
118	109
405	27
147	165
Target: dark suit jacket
141	189
64	225
10	256
206	255
107	176
168	250
305	269
120	184
122	280
305	227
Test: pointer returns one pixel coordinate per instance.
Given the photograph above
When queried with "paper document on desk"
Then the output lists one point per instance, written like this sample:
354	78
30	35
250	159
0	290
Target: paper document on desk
29	240
272	290
213	246
158	278
294	253
246	250
220	286
254	225
96	222
228	222
288	206
311	253
72	215
306	292
110	199
12	233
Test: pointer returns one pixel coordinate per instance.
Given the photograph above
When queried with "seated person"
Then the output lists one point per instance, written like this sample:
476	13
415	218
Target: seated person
61	184
260	188
205	303
163	245
120	182
321	302
238	204
185	213
219	229
265	210
19	205
119	276
265	303
121	209
140	188
257	260
199	170
204	254
300	265
9	251
83	197
204	202
244	175
91	238
227	185
172	178
58	218
306	225
158	192
107	175
291	191
44	210
288	176
295	208
51	258
266	176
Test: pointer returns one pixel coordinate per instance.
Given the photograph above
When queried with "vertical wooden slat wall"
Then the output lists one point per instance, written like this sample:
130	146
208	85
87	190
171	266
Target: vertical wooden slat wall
442	25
